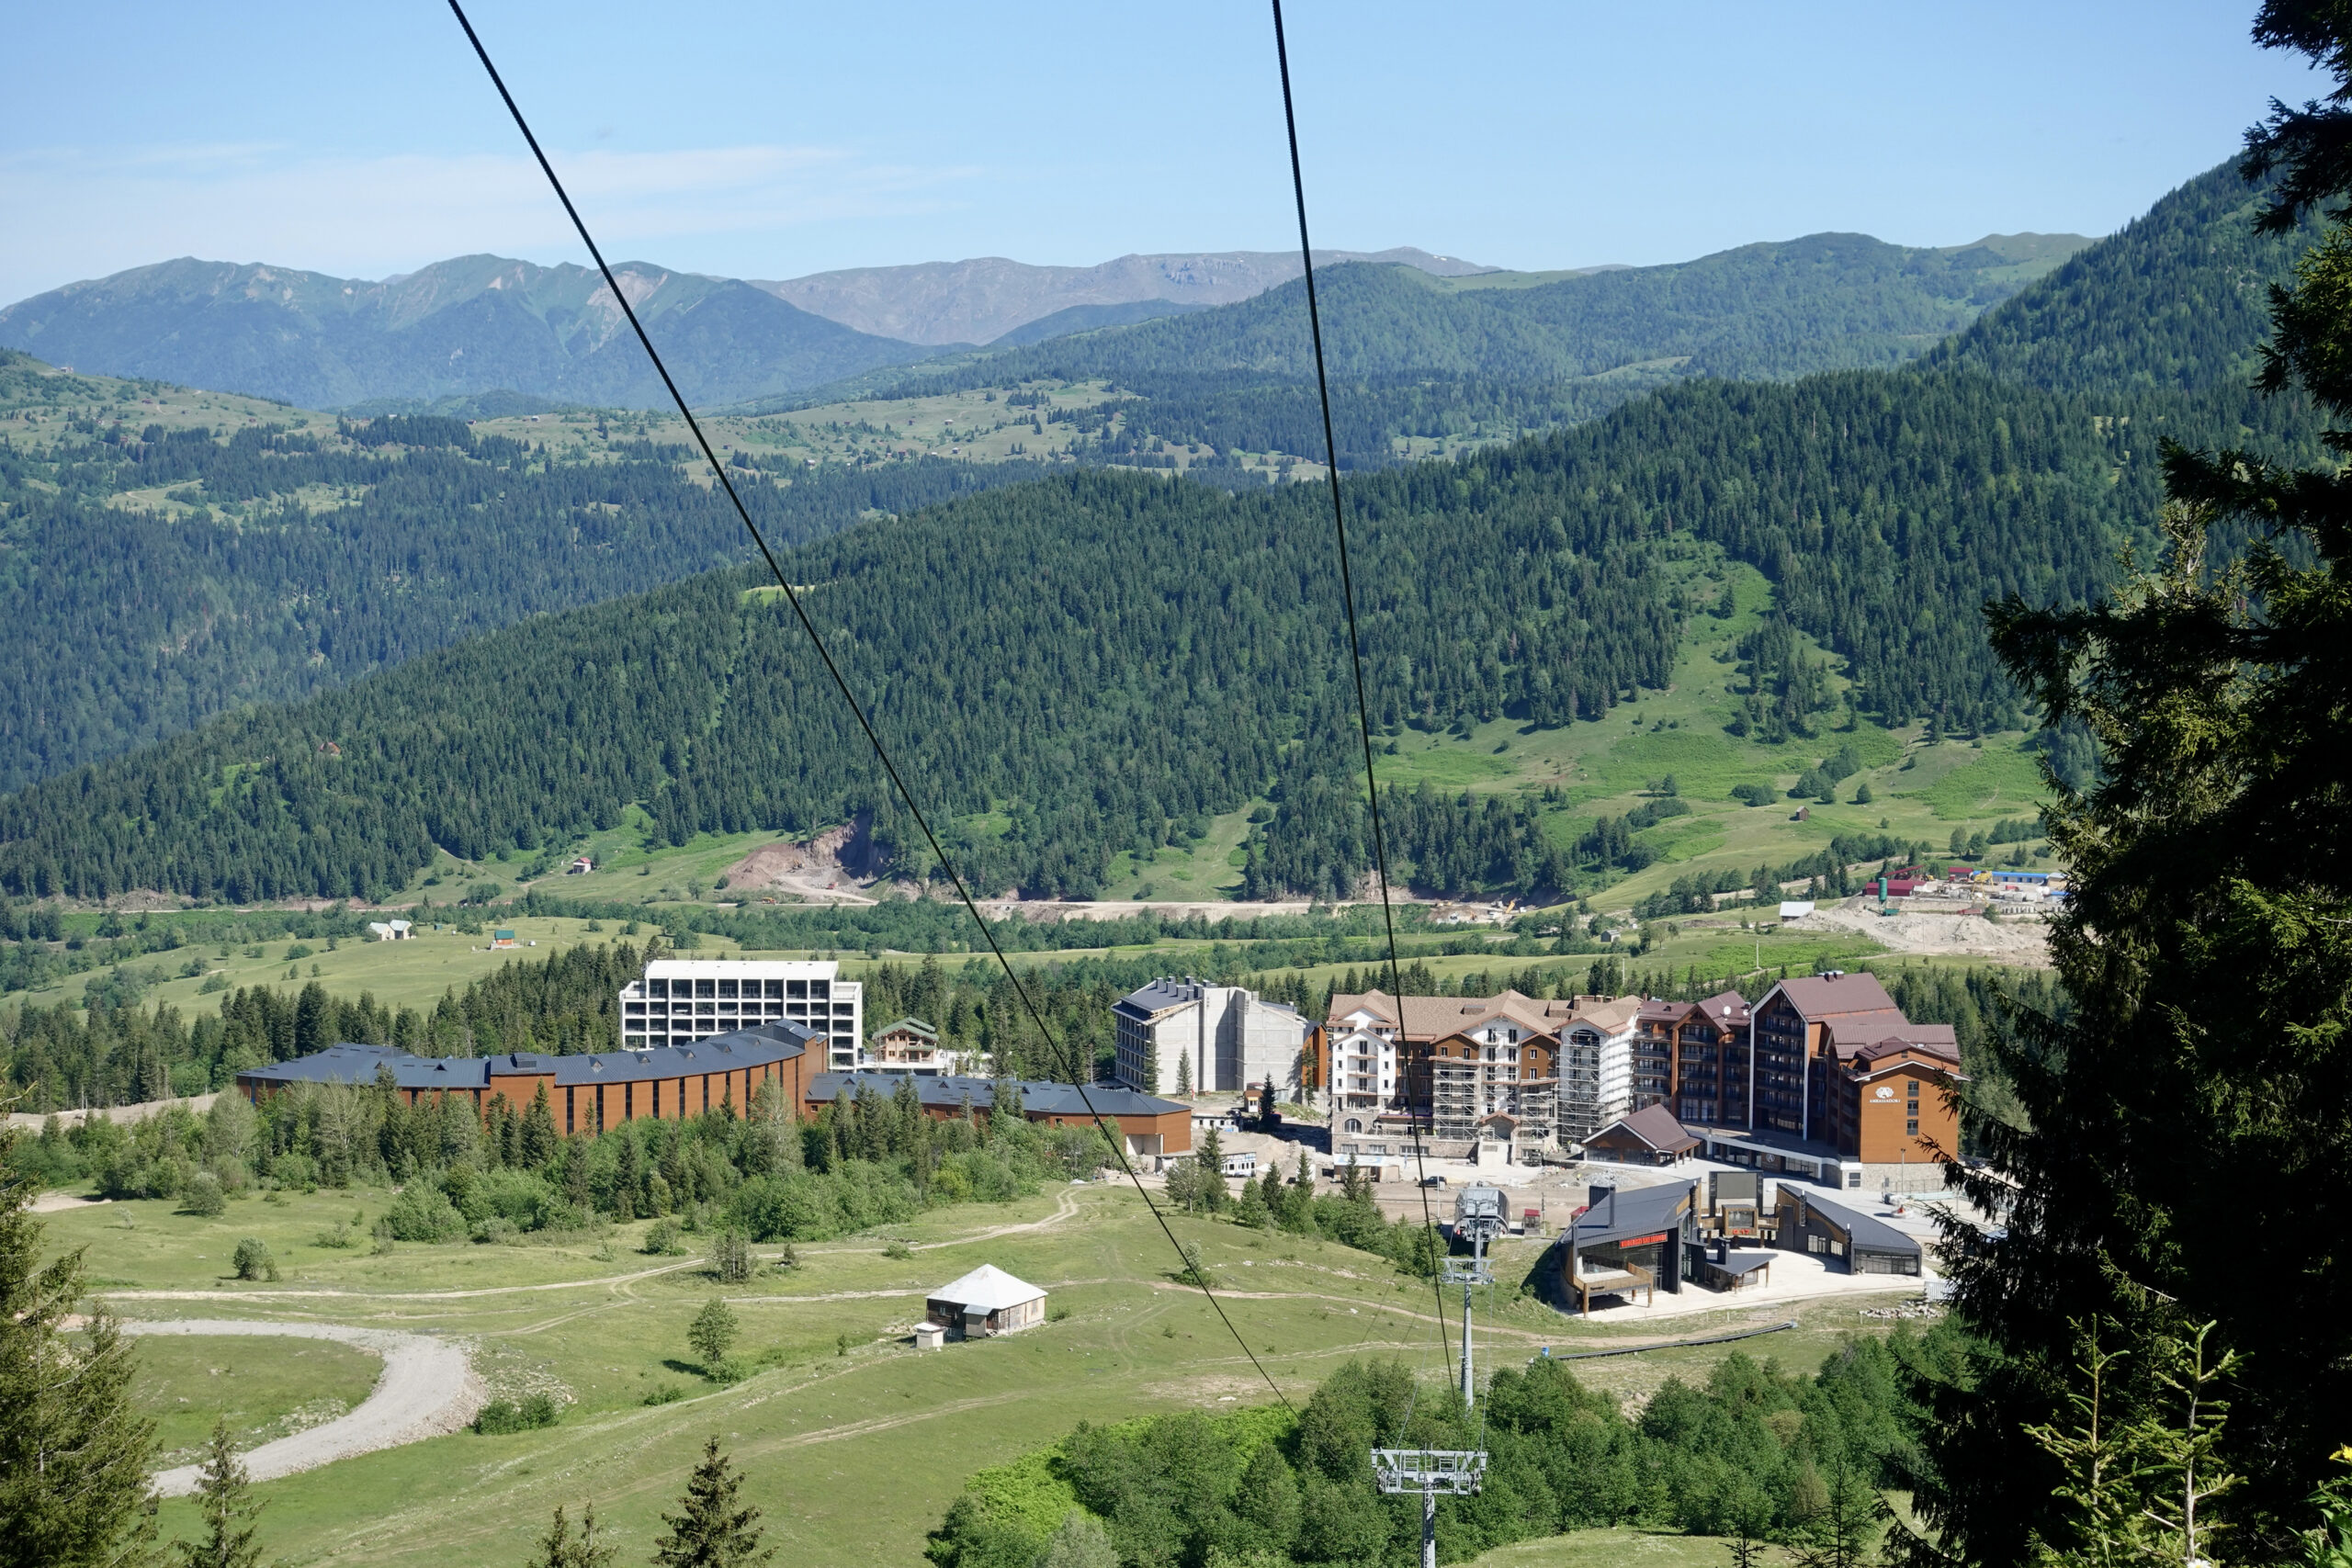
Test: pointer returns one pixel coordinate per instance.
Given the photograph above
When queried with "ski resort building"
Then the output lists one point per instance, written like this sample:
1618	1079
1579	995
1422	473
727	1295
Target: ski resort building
585	1093
1183	1037
683	1000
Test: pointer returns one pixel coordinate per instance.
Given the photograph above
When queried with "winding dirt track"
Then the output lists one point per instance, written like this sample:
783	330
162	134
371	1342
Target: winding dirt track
427	1388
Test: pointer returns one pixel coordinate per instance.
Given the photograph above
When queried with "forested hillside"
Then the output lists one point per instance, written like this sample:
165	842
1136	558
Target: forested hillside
1091	662
472	324
1422	355
1098	658
155	575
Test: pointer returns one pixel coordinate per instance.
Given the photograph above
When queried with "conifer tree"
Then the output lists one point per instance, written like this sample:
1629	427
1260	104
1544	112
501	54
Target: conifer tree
225	1502
560	1549
2206	947
73	1449
712	1528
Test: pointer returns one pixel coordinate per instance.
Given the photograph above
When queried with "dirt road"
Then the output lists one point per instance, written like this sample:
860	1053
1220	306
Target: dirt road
428	1388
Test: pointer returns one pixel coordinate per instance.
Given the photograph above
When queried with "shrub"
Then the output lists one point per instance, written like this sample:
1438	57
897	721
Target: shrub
424	1213
1753	794
252	1260
337	1234
501	1417
899	1250
712	1334
204	1196
667	1394
497	1230
730	1256
662	1239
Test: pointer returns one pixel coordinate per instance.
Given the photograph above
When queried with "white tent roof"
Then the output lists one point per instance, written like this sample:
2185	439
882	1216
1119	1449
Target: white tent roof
1795	909
988	1287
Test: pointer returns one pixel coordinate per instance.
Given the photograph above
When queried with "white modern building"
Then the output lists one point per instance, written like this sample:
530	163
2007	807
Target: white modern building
1596	1067
1366	1073
683	1000
1180	1036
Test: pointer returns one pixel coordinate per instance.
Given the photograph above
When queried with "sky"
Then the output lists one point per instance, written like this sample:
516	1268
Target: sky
760	140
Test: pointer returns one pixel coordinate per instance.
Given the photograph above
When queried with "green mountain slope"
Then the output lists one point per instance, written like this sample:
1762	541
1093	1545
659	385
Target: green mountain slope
164	557
1096	658
1419	354
469	325
1079	666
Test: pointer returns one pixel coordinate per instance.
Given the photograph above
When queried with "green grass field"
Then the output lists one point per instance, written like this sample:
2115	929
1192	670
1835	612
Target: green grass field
853	1442
264	1387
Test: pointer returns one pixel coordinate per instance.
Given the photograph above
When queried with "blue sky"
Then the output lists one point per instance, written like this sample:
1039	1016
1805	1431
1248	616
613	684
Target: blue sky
769	141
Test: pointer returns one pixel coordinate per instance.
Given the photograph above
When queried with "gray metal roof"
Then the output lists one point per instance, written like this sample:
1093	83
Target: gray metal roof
1632	1211
1865	1233
348	1062
1158	998
1037	1097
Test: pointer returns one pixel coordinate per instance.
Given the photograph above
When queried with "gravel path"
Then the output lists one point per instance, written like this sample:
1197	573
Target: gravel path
428	1388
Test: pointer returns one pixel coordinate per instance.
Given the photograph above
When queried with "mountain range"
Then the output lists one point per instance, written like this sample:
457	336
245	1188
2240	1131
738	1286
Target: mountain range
1095	660
481	325
942	304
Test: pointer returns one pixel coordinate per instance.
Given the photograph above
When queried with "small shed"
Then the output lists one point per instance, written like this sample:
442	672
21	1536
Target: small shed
1795	909
1649	1136
985	1302
388	931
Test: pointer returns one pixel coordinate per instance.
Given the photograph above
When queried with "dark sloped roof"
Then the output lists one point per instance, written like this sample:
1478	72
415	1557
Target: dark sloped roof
347	1062
1865	1232
1158	998
1632	1211
1037	1097
1654	1127
1819	998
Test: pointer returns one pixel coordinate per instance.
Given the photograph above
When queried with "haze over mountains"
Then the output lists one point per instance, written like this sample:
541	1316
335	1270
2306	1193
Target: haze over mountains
478	325
981	301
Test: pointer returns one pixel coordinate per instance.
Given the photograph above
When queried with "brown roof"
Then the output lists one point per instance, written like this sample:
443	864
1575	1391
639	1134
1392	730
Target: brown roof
1928	1039
1653	1127
1823	1000
1425	1019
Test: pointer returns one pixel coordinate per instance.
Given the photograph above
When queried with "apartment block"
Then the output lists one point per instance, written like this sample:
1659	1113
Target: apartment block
683	1000
1181	1037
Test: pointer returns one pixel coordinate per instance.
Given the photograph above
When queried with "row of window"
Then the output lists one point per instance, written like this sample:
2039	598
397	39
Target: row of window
781	990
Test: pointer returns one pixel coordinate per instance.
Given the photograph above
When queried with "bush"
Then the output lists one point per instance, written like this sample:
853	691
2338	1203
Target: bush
730	1256
501	1417
337	1235
1753	794
497	1230
712	1334
424	1213
252	1260
662	1239
204	1196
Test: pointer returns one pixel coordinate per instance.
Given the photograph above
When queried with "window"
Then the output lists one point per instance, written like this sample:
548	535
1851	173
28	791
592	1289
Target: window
775	989
705	988
727	989
657	987
1912	1127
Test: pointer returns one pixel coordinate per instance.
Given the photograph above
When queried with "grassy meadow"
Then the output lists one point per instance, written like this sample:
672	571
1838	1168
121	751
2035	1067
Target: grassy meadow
853	1443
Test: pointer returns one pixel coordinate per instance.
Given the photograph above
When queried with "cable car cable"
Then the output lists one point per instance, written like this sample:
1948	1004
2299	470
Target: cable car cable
857	709
1355	651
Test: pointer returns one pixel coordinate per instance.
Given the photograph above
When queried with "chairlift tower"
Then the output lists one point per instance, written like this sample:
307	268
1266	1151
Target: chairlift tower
1456	1471
1478	1219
